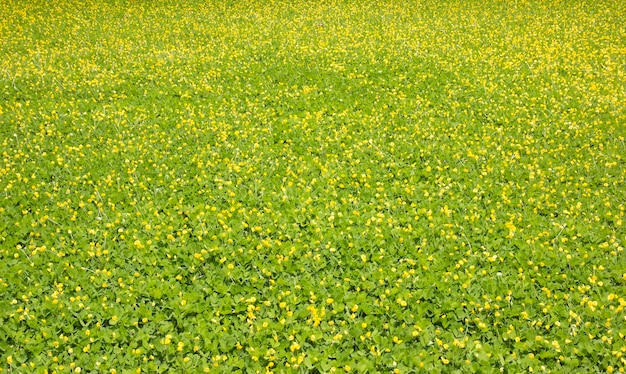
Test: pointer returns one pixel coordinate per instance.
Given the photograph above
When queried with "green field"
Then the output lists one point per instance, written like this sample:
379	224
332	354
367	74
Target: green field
312	186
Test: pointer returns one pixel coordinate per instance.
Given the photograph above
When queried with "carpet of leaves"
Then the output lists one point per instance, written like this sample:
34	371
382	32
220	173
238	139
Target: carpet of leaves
312	186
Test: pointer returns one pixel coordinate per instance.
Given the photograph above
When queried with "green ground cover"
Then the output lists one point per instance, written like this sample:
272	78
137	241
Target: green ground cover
312	186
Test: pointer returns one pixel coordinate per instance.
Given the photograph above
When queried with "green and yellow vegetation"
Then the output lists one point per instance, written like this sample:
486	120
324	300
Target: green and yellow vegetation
312	186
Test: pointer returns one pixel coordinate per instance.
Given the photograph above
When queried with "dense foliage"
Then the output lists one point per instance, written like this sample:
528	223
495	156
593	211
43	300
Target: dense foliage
312	186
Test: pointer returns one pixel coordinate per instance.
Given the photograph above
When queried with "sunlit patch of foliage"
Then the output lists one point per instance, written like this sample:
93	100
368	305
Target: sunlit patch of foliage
313	186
